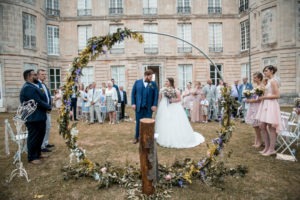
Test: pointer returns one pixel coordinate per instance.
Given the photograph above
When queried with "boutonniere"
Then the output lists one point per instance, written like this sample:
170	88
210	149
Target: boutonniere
42	90
150	85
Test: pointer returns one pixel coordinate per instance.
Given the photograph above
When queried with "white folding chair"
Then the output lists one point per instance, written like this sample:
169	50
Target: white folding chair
288	137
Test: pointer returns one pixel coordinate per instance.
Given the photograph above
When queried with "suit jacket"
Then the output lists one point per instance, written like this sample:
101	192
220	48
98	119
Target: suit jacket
247	87
94	97
46	93
137	94
124	97
210	92
30	91
118	93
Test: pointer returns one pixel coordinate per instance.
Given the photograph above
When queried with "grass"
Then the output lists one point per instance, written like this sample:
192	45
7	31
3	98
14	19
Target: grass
268	178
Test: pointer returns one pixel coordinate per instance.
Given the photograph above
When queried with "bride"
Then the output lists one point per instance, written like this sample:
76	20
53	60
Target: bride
171	123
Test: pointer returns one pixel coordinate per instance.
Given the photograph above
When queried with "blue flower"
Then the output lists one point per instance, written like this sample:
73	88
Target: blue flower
180	183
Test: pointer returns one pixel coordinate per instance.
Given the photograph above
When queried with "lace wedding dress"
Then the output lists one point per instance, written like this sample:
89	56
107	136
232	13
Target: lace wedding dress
173	127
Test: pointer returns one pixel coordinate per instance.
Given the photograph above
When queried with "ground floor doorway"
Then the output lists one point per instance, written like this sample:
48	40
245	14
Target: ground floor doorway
157	74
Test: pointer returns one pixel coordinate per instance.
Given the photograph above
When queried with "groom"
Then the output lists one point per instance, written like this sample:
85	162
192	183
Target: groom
144	99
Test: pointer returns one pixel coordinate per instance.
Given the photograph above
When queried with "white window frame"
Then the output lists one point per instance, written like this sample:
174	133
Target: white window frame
53	40
268	30
245	34
149	7
215	37
214	75
214	6
118	74
84	33
29	31
185	75
151	40
1	88
243	5
184	31
245	71
52	7
87	75
119	47
56	82
116	7
84	7
184	6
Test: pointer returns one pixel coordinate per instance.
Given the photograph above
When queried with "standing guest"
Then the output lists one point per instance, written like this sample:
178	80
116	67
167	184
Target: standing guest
144	99
210	92
204	103
93	99
85	104
123	96
235	94
252	110
195	109
268	113
103	103
79	100
187	98
219	97
57	98
73	108
111	102
244	86
36	122
41	73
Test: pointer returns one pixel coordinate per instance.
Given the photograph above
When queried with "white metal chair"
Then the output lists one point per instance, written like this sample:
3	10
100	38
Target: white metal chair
288	137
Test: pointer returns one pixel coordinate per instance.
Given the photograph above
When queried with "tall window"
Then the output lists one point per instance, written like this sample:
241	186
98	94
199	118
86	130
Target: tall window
87	76
29	31
215	37
214	6
245	35
55	77
52	7
30	66
118	74
118	47
268	30
116	7
84	33
184	32
150	7
245	71
184	6
214	75
243	5
151	40
84	7
185	74
53	40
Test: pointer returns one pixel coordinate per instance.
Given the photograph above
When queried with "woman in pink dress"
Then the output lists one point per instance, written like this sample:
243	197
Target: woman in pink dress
187	98
269	112
195	109
253	108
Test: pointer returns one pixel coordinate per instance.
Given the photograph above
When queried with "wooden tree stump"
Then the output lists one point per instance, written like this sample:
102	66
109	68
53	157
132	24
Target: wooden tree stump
148	156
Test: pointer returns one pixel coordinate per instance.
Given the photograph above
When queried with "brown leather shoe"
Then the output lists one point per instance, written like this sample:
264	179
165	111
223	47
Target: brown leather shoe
135	141
36	162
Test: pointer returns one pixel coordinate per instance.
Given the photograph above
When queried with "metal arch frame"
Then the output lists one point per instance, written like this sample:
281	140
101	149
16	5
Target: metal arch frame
172	36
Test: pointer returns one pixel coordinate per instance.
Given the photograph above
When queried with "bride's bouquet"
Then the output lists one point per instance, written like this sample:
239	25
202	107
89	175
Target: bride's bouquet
169	93
248	93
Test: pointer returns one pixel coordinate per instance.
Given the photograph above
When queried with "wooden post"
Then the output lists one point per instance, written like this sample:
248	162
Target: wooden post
148	158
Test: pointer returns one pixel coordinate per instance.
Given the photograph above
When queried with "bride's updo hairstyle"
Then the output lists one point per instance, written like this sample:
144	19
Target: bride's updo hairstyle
271	68
171	80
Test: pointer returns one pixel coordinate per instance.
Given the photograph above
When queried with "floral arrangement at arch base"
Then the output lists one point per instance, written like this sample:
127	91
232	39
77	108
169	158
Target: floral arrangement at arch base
179	174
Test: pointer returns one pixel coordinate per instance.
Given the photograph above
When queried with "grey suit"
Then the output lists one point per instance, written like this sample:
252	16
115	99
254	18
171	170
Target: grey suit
210	92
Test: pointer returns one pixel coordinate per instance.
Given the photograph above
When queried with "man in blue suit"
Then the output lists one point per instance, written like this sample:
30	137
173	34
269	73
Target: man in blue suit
244	86
36	122
144	98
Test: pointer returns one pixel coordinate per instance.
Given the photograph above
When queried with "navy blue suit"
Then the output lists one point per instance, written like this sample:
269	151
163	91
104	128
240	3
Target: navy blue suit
36	122
143	98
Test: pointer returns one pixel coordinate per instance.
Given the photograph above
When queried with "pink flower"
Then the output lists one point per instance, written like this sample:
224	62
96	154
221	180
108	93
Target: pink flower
103	170
168	177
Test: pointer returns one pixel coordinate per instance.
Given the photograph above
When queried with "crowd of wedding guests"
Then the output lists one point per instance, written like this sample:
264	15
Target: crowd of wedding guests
95	104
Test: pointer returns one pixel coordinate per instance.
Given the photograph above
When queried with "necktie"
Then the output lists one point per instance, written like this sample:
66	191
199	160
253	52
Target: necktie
237	89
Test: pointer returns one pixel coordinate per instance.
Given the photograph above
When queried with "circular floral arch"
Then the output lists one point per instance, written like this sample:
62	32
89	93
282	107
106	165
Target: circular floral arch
178	174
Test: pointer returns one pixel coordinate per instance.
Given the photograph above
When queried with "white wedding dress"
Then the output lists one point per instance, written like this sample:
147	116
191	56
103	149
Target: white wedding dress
173	127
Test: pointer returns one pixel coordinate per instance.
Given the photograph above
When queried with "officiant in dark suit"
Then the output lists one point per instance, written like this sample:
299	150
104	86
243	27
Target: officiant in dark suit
144	98
123	97
36	122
